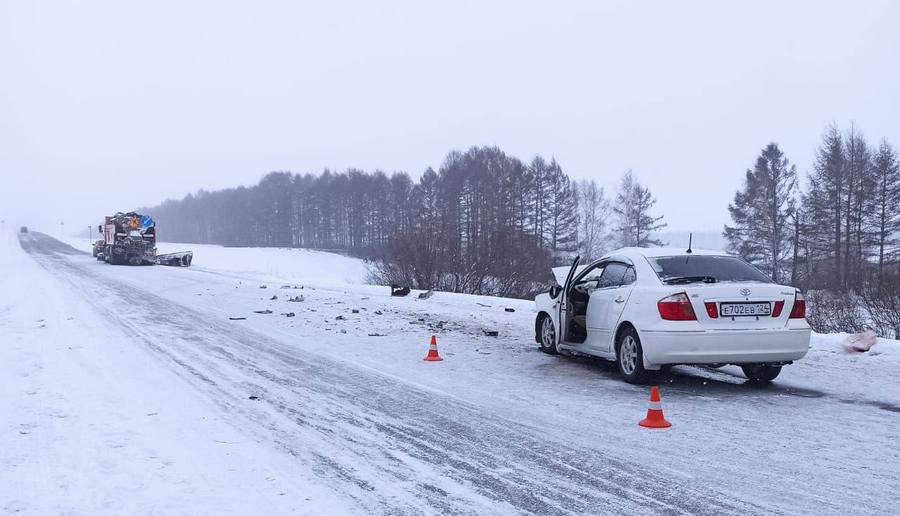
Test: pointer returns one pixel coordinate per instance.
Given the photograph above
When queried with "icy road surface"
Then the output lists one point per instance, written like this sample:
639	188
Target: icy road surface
128	390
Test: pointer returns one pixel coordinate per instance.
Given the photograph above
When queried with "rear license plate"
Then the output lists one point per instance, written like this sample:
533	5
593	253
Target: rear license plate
745	309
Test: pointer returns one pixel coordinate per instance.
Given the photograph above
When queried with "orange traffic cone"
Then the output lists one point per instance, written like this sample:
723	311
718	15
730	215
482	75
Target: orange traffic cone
655	418
432	355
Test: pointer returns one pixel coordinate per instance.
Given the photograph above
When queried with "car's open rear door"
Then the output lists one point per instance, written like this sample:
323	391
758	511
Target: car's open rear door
564	301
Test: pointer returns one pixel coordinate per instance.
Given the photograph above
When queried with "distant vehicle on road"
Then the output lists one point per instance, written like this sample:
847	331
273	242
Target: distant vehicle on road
130	239
23	229
651	308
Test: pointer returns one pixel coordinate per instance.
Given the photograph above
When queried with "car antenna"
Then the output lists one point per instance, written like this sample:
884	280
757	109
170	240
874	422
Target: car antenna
690	241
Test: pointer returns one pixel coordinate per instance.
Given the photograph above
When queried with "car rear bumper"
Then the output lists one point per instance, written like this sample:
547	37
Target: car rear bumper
724	347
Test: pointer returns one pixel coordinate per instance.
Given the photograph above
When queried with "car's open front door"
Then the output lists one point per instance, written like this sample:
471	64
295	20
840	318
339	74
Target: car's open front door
564	301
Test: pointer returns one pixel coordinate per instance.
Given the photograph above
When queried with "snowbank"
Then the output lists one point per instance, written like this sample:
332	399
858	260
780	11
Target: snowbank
886	350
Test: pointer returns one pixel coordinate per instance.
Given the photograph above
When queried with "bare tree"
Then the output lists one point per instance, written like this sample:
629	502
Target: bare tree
635	225
594	213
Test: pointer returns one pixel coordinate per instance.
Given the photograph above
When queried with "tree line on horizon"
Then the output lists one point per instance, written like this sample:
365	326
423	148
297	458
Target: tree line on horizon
492	224
483	223
837	237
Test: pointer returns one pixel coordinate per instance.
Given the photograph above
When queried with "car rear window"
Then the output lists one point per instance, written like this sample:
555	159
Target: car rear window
722	268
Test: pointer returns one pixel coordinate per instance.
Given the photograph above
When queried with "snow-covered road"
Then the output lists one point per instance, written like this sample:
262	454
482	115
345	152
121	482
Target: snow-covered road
345	417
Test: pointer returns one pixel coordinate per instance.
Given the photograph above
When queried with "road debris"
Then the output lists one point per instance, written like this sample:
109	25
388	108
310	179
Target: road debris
861	342
398	291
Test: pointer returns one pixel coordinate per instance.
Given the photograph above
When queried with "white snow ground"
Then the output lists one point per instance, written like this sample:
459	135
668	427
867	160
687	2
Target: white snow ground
349	418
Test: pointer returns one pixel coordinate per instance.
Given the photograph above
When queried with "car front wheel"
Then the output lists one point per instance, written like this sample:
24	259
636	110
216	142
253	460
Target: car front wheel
630	358
548	334
761	372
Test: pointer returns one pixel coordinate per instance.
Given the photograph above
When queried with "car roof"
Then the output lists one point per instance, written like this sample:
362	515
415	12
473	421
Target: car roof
630	255
656	252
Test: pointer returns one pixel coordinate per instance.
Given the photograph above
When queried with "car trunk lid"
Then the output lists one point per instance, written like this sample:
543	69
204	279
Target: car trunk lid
749	305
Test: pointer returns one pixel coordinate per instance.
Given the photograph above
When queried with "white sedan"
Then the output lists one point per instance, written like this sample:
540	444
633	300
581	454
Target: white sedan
650	308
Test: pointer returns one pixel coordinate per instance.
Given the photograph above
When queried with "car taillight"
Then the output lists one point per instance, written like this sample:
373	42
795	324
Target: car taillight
776	310
799	309
711	310
676	307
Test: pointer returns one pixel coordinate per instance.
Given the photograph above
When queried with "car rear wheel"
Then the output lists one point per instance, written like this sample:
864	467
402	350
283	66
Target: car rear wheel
548	334
761	372
630	358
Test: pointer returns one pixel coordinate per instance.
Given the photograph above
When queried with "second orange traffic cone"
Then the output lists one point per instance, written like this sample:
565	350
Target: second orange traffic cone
432	355
655	418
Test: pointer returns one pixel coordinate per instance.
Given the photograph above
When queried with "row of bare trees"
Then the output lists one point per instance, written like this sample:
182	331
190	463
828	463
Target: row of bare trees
838	237
484	222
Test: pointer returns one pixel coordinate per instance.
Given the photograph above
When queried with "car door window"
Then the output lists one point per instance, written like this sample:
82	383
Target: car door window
593	274
613	275
629	277
589	278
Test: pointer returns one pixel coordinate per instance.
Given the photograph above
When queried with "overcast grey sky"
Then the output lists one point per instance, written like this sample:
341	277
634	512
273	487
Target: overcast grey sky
109	105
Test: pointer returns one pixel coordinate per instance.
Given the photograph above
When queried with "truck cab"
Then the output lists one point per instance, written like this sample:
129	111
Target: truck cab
128	239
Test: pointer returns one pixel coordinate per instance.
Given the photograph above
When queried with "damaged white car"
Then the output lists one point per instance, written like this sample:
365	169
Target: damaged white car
651	308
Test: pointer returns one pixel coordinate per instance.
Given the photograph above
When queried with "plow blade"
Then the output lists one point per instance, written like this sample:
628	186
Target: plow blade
182	259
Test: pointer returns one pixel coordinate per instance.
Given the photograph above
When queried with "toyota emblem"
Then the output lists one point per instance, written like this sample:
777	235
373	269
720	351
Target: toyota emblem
745	292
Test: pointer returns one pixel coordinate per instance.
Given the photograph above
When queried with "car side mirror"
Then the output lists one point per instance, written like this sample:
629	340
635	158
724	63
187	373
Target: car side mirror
554	291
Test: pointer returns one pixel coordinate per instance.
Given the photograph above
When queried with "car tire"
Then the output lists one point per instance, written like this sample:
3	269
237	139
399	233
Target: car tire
630	358
547	334
761	372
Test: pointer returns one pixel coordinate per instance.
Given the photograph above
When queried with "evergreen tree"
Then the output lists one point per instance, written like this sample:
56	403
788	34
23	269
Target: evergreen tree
761	213
561	213
539	177
859	195
886	204
823	203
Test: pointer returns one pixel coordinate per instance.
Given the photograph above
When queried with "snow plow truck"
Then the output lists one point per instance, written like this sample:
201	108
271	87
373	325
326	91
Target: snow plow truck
130	239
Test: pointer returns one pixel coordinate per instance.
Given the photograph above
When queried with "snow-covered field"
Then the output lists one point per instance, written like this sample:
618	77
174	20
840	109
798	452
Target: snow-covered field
127	390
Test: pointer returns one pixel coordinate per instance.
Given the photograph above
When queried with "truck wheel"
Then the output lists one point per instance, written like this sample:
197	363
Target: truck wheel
547	334
761	372
630	357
